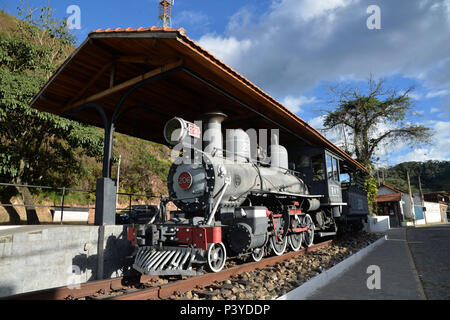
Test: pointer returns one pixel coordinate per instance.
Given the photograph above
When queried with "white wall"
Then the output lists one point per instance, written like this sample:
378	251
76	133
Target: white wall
433	212
377	224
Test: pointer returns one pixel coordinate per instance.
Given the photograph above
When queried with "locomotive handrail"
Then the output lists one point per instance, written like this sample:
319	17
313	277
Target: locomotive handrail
289	194
213	212
178	199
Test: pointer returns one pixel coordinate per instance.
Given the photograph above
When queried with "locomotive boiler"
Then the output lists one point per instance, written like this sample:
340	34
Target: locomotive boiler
233	200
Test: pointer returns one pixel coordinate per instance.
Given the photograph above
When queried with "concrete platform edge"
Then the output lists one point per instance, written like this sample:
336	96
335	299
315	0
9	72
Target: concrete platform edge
312	285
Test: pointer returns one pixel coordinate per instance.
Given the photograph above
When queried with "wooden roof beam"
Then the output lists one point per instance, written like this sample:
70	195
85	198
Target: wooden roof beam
139	59
91	82
124	84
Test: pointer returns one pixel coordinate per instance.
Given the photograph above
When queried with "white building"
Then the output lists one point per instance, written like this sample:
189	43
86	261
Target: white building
432	210
394	203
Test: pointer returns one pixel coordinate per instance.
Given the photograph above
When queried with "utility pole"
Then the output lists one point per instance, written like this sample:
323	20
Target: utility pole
421	193
422	200
118	179
410	198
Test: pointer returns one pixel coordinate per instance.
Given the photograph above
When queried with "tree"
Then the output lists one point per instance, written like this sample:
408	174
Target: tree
362	114
37	147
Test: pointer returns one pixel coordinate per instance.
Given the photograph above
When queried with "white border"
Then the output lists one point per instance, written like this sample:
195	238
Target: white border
312	285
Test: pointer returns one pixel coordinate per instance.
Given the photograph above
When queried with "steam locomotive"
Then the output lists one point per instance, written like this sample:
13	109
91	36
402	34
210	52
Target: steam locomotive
233	202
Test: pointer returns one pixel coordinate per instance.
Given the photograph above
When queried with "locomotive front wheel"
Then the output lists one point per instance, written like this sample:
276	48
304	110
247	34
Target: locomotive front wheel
257	254
308	235
295	241
278	246
217	255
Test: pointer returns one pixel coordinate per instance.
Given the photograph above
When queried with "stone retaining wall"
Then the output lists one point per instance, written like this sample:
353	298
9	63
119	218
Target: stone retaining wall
59	256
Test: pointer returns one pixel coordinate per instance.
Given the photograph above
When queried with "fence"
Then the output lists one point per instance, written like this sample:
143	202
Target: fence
62	212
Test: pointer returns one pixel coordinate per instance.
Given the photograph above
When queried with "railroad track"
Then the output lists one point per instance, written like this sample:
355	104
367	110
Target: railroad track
131	288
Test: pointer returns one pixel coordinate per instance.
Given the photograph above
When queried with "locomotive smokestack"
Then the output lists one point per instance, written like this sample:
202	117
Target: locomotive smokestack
212	132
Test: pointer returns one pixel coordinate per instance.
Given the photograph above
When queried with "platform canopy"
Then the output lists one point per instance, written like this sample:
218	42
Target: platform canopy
140	78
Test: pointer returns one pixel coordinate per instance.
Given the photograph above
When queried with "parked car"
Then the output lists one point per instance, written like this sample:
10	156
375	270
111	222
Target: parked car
139	214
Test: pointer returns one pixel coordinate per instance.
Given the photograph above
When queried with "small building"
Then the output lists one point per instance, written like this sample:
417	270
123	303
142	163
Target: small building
438	204
394	203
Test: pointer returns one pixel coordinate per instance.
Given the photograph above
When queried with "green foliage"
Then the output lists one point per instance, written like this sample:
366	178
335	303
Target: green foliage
434	175
19	55
371	187
43	149
144	166
45	31
37	147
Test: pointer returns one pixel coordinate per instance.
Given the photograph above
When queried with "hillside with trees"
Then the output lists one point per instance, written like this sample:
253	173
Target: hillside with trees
434	176
38	148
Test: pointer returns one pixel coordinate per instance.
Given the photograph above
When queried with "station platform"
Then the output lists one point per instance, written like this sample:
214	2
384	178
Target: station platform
399	277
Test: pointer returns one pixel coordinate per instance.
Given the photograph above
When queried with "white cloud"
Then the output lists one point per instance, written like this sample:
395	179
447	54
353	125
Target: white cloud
317	122
304	42
439	93
194	20
295	103
228	49
439	150
307	10
299	44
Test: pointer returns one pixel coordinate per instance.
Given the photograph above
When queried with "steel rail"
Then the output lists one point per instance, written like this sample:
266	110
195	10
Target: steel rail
76	291
154	293
165	291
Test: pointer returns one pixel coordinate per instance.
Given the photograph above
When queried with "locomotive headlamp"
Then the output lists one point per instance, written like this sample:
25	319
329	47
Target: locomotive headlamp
176	129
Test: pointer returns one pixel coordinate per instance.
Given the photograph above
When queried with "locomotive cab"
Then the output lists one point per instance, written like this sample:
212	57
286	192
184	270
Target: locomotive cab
321	169
322	175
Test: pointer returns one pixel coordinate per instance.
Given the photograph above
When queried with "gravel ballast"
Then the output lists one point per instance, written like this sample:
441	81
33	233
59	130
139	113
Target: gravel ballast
271	282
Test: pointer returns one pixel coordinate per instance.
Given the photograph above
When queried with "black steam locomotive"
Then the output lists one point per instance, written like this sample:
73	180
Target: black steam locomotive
237	201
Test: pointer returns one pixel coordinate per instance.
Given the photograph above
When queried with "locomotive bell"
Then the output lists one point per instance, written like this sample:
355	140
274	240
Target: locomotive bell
177	129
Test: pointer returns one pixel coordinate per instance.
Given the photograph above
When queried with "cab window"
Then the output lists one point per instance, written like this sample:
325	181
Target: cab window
329	167
318	167
332	168
335	170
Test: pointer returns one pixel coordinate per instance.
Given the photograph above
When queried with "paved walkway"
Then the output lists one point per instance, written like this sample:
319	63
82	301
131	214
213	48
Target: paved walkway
399	278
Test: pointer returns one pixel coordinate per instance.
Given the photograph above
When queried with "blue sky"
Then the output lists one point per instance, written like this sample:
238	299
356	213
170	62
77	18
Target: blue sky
293	49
